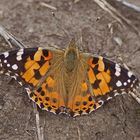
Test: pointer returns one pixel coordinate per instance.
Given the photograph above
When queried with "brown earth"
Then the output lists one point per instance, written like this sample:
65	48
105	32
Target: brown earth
35	25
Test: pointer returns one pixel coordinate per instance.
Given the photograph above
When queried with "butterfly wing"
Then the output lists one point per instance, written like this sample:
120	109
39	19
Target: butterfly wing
23	63
32	68
94	81
104	79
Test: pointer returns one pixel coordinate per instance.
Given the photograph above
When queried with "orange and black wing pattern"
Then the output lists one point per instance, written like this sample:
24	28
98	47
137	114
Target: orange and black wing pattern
32	68
105	80
109	79
28	66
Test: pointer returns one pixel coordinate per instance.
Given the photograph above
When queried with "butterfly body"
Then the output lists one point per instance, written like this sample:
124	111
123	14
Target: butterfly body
67	81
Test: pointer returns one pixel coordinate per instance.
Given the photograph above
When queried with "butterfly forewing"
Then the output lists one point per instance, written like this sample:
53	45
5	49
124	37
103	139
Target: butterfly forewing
25	63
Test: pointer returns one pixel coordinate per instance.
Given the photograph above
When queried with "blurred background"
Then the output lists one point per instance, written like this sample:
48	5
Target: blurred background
109	28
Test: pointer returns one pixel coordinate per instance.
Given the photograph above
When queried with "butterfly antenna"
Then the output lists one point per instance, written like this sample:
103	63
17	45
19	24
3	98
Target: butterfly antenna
59	24
79	41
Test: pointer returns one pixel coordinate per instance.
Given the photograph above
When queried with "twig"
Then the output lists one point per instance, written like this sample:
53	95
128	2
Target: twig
39	129
130	5
10	39
48	6
76	1
136	95
4	34
115	14
79	133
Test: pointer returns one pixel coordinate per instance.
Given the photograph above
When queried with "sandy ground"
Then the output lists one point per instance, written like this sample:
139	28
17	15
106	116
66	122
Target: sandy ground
36	26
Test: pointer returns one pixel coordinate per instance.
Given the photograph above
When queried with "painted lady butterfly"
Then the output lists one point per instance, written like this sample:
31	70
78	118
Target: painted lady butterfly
67	81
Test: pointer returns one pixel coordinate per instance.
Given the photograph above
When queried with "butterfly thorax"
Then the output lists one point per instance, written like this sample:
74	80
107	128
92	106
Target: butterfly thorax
71	57
70	60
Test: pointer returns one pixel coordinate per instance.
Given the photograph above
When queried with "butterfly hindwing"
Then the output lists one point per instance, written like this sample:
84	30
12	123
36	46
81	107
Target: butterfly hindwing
47	97
85	102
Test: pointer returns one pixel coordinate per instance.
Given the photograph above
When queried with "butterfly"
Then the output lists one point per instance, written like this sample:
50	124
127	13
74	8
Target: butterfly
67	80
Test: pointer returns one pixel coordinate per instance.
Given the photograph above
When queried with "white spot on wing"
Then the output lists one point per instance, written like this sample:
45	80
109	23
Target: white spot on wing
130	74
117	67
19	58
125	83
5	61
8	65
118	70
128	80
119	84
19	54
6	54
117	73
15	67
